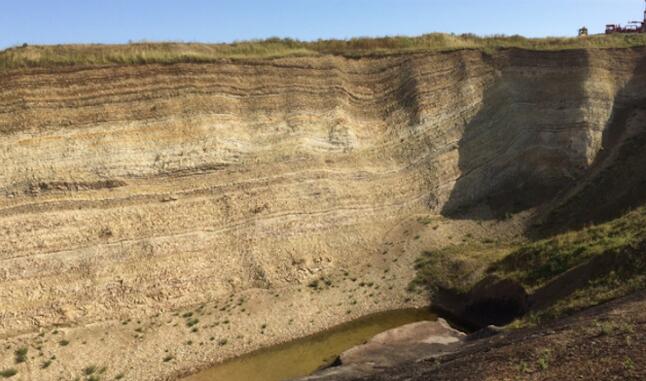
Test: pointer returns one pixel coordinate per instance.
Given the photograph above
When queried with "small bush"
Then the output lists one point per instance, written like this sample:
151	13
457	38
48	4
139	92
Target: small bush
21	355
7	373
543	360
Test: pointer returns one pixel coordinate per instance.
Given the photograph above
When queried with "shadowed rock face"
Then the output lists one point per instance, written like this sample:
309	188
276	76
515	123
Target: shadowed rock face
615	181
134	188
495	302
540	127
491	301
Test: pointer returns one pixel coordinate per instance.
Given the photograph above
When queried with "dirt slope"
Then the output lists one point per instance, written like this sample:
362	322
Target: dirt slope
603	343
144	191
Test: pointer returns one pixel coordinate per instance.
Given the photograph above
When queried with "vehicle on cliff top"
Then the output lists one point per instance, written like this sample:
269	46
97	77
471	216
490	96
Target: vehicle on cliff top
631	27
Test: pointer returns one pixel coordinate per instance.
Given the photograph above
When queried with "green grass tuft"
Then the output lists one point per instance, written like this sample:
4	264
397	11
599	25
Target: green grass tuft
8	373
21	355
89	370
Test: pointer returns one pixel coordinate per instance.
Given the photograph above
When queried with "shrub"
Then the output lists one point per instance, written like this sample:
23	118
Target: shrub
7	373
89	370
21	354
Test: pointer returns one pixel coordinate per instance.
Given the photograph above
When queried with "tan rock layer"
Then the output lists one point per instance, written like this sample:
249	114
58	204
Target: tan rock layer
135	188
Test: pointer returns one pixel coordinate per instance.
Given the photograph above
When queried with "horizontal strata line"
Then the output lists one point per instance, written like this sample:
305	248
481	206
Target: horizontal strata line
315	174
256	182
151	81
355	89
504	159
133	75
394	104
147	79
322	174
367	65
264	182
233	226
408	84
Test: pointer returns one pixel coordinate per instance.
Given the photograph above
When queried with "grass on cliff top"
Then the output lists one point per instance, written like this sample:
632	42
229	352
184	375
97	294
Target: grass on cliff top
535	264
145	52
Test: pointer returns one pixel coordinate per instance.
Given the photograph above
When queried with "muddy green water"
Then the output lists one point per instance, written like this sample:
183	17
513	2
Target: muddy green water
304	356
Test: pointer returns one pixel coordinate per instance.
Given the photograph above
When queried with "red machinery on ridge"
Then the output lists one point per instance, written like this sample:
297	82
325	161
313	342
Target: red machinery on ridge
631	27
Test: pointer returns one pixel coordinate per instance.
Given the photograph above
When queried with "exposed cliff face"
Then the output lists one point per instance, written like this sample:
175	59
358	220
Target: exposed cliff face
540	127
135	188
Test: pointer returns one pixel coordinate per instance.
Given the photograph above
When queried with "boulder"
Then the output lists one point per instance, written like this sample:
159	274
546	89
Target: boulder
393	347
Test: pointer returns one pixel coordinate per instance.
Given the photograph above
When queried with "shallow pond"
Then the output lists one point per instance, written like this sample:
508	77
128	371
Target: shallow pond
304	356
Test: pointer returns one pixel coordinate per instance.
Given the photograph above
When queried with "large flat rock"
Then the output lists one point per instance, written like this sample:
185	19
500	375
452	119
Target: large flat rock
393	347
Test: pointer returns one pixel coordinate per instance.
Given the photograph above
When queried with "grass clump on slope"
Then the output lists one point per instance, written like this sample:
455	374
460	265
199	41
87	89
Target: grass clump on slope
456	267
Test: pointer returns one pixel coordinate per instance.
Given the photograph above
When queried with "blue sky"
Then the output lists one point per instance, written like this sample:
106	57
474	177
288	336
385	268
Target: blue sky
118	21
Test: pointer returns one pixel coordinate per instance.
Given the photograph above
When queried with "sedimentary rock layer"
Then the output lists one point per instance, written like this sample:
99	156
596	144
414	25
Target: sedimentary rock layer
129	189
